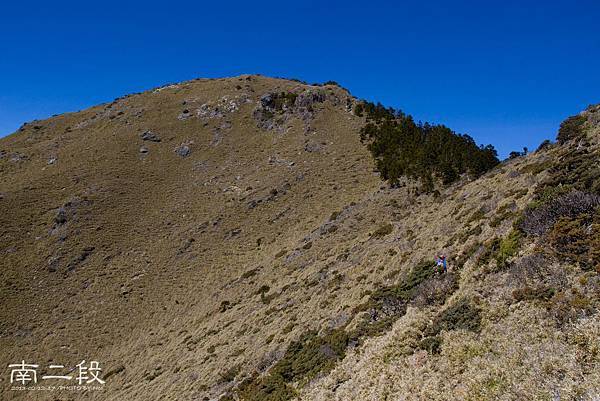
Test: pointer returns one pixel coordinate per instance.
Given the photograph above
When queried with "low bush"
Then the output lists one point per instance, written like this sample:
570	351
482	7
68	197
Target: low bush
387	304
571	128
489	251
566	307
577	240
463	315
533	266
303	360
546	144
225	305
431	344
229	375
383	231
530	294
509	246
536	168
538	219
435	292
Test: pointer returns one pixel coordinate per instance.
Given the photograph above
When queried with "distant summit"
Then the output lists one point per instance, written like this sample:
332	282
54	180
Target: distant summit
253	238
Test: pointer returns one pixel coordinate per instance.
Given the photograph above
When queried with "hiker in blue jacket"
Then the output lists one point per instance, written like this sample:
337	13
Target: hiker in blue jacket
441	262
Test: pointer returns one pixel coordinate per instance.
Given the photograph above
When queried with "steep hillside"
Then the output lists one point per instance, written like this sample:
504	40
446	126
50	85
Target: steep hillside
230	239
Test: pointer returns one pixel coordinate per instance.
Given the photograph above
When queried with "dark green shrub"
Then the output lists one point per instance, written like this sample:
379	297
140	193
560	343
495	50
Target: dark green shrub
546	143
463	315
577	240
529	294
303	360
229	374
383	231
431	344
267	388
435	292
571	128
249	273
358	109
536	168
509	246
225	305
477	215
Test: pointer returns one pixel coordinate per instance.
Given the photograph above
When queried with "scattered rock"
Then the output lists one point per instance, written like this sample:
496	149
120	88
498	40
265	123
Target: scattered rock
185	114
17	157
233	233
313	147
53	263
150	136
183	150
144	150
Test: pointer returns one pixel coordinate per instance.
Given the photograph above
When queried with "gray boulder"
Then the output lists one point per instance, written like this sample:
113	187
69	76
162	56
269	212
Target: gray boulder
150	136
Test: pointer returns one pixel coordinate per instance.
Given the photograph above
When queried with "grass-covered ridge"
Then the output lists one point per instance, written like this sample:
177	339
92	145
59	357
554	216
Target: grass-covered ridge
316	354
429	152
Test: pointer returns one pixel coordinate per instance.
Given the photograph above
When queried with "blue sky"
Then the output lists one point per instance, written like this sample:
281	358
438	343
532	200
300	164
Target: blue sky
505	72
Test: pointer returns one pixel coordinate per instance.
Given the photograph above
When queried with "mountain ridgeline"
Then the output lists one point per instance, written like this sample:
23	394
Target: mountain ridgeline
228	240
402	147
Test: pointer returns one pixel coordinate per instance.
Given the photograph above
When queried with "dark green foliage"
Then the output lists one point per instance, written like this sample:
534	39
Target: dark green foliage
378	112
530	294
402	147
431	344
314	354
514	155
577	240
310	355
303	360
491	248
283	99
383	231
387	304
435	292
249	273
466	255
571	128
579	170
229	375
263	289
477	215
509	246
268	388
500	249
405	290
463	315
359	109
537	168
225	305
546	143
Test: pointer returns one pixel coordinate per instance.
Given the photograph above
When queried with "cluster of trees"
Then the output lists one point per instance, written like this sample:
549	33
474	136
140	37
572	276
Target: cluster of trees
403	147
571	128
514	154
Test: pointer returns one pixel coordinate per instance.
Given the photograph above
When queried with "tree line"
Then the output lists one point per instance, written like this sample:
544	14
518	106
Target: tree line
428	152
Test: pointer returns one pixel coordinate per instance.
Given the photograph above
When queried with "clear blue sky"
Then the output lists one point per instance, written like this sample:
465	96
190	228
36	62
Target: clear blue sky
505	72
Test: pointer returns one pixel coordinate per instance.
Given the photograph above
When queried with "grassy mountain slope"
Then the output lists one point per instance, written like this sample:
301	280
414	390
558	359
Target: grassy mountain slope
229	238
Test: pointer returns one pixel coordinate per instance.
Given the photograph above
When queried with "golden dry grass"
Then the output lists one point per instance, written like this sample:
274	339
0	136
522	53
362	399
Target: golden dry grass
205	268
